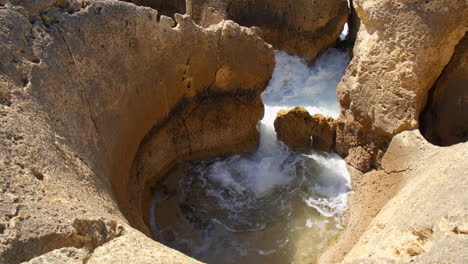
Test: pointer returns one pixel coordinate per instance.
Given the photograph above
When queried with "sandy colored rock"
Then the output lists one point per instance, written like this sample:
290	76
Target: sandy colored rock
135	248
444	121
404	212
68	255
425	222
298	129
323	132
371	191
359	158
81	88
164	7
293	127
299	27
401	49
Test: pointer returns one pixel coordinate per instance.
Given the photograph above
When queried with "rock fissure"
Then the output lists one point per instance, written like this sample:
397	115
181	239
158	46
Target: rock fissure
83	87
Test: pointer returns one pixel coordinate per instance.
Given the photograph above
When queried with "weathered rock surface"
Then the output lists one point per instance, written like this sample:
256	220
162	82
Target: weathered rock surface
323	132
81	86
444	121
299	27
292	127
164	7
401	49
426	220
298	129
419	203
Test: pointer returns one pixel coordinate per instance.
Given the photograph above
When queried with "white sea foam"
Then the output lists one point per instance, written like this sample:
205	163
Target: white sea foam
345	32
294	83
251	193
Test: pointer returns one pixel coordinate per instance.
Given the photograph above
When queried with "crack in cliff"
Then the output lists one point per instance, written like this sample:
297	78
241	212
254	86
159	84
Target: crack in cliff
83	87
397	171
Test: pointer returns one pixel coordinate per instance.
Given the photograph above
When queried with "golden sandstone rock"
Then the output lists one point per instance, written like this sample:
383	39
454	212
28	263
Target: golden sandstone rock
299	27
401	49
298	129
85	86
100	98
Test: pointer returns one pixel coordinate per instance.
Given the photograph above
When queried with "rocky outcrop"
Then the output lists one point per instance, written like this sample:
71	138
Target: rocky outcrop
164	7
82	85
298	129
323	132
401	49
444	121
303	27
412	211
292	127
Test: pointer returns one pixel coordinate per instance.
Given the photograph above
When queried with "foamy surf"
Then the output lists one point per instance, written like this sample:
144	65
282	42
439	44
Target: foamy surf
267	206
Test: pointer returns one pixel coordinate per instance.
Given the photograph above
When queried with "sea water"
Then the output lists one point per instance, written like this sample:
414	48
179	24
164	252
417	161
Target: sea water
272	206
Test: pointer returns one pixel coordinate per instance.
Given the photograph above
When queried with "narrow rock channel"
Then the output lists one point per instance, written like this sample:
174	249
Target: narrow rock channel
271	206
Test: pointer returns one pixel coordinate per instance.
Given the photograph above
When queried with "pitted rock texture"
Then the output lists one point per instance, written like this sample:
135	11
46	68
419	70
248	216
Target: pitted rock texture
299	27
82	83
444	121
412	211
426	220
292	127
401	49
298	129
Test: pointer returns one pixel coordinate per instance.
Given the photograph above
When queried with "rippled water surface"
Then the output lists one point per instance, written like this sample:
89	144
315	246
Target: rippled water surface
273	206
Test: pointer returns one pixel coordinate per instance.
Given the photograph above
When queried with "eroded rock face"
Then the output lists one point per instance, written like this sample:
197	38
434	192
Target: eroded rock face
425	222
164	7
413	210
81	86
303	27
444	121
323	132
401	49
292	127
298	129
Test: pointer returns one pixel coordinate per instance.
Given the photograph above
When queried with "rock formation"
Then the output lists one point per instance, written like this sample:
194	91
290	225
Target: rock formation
444	121
424	220
401	49
100	98
83	84
293	127
298	129
299	27
164	7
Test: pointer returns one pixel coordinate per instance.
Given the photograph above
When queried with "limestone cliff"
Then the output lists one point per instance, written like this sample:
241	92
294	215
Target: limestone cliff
299	27
82	84
401	49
